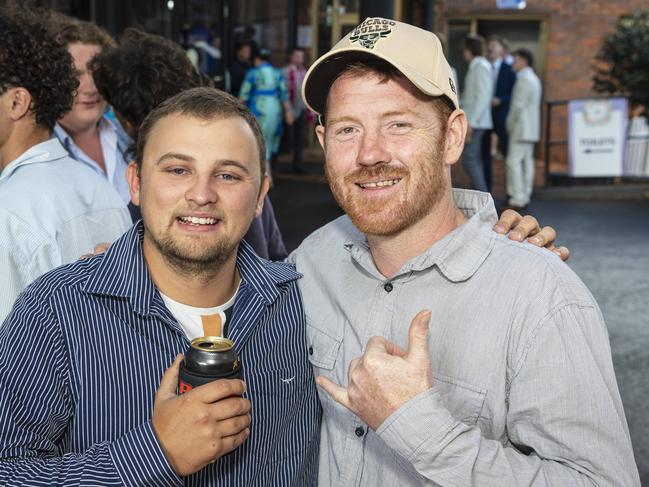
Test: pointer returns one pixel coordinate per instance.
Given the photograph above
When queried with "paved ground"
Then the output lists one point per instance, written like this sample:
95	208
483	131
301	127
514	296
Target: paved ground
609	241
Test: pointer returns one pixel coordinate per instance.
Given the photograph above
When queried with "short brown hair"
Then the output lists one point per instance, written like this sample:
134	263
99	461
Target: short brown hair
69	30
386	72
474	44
204	103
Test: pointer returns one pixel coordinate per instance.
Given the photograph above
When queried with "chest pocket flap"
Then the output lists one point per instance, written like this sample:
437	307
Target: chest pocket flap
323	347
464	401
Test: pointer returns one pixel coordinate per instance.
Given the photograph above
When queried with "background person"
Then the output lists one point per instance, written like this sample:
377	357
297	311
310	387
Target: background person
52	210
503	84
294	72
476	103
264	92
524	127
86	132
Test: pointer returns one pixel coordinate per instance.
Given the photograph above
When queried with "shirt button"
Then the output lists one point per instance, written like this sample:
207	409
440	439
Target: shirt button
360	431
388	287
310	350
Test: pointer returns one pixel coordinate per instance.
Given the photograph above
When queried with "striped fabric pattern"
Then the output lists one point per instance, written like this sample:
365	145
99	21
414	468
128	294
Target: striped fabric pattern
82	354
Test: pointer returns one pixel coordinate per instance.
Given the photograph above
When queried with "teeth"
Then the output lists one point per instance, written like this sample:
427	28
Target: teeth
380	184
197	221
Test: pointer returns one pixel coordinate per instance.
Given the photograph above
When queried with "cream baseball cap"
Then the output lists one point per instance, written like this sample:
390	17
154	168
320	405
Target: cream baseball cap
415	52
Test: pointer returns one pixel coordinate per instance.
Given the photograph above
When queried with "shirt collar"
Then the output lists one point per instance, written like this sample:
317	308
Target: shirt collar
123	272
47	151
459	254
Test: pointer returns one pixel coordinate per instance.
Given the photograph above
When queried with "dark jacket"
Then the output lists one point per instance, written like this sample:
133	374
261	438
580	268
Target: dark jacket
504	87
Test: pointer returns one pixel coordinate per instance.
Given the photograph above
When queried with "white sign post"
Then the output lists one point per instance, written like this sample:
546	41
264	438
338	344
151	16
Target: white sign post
597	136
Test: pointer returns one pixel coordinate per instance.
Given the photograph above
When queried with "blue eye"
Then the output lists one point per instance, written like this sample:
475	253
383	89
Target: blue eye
178	171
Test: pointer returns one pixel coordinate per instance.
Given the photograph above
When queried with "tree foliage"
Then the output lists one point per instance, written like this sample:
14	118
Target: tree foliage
623	60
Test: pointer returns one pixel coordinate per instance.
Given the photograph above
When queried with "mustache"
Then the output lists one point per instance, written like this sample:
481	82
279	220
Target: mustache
376	172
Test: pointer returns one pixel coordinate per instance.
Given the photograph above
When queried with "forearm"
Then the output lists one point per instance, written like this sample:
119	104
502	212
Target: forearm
135	459
450	453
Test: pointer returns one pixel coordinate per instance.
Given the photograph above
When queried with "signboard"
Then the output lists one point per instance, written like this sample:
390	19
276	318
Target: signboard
511	4
597	136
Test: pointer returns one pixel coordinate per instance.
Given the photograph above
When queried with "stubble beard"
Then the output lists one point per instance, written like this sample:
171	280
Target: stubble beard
390	216
188	260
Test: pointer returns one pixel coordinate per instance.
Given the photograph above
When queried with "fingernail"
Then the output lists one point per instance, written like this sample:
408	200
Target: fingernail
535	240
516	236
499	228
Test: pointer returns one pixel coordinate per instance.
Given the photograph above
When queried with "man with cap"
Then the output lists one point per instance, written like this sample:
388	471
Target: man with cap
507	378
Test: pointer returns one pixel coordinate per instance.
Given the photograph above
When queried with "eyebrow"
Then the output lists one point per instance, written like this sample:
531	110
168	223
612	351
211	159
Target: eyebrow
395	113
187	158
174	155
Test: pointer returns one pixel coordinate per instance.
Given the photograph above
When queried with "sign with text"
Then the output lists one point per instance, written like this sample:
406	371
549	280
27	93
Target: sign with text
597	136
511	4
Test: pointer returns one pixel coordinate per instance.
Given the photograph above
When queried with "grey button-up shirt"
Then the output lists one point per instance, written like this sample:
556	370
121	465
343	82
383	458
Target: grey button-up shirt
524	391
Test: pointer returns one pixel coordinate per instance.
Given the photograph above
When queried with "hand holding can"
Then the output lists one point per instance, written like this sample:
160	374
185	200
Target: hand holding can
205	423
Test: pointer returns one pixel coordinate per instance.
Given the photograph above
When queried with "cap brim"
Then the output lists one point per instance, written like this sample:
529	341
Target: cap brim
324	72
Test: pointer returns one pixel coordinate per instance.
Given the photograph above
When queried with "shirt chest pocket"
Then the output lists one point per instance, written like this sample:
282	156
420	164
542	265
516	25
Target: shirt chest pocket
464	401
323	348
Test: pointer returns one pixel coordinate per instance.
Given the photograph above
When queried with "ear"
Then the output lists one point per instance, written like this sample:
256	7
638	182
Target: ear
455	134
265	184
20	100
320	132
133	178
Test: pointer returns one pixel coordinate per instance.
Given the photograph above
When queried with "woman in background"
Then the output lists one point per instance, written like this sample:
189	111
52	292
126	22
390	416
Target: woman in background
264	92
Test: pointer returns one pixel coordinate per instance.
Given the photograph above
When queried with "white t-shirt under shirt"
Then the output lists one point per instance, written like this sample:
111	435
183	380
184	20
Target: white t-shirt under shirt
198	322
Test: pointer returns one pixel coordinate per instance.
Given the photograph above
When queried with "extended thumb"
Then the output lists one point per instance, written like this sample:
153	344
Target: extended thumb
418	334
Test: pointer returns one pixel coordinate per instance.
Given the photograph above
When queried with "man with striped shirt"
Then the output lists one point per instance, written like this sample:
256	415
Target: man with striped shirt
82	401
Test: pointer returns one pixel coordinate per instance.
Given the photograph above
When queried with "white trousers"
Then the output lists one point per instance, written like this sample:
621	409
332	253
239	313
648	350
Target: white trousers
520	166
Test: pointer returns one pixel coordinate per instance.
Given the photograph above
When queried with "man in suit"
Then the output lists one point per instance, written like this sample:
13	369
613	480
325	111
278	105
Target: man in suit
524	127
476	104
503	82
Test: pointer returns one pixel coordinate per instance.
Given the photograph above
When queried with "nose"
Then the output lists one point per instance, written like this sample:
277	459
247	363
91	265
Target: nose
372	150
87	84
202	191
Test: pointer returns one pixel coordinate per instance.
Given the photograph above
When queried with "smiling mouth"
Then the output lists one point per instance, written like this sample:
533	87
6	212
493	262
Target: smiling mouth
378	184
196	221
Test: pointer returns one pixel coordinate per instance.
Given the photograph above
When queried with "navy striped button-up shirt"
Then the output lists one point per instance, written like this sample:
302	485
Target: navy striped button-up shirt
81	357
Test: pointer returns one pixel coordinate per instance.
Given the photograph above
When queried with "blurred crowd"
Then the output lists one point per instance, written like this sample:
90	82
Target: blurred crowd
502	101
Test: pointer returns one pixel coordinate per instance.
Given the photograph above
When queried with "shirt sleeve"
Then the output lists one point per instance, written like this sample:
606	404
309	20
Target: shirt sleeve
281	86
19	269
37	408
565	421
246	86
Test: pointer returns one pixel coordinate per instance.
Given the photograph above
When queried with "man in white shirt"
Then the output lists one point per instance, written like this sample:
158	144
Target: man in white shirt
52	210
524	128
86	132
476	103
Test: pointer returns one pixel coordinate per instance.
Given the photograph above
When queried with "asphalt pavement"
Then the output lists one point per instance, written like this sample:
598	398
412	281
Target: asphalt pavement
609	242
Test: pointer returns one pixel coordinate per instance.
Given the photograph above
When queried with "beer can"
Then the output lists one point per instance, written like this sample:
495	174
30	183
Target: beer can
207	359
